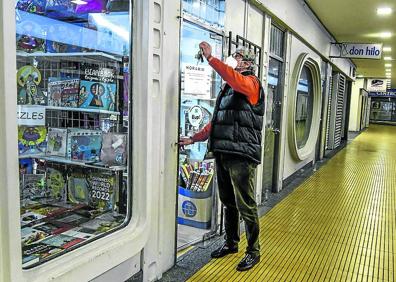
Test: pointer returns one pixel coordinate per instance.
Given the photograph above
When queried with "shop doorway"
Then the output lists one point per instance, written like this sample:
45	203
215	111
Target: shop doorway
196	192
273	113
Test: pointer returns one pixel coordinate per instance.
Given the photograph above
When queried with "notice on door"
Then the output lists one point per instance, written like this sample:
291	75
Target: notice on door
197	81
31	115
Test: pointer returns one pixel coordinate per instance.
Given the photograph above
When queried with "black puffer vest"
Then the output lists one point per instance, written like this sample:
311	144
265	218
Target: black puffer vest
236	125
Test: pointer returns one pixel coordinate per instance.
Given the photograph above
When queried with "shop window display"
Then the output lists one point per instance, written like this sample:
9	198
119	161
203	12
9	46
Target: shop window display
304	107
73	90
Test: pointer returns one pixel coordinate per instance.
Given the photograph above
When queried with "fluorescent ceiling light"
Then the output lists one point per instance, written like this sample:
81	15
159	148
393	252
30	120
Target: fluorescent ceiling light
388	58
385	34
388	70
79	2
387	49
388	65
384	11
359	76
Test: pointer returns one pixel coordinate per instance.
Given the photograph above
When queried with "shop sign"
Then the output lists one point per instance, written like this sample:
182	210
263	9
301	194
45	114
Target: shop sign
376	85
30	115
198	81
358	51
391	93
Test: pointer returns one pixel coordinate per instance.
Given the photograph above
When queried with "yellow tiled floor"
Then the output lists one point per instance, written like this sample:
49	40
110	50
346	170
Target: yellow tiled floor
339	225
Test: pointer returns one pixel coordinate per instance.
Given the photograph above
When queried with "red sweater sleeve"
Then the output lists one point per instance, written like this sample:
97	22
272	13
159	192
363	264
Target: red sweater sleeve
203	134
247	85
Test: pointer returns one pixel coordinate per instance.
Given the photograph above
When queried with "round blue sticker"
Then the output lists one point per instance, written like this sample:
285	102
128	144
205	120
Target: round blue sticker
189	209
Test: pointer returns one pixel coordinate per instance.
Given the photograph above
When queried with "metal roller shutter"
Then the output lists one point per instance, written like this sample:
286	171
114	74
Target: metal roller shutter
336	111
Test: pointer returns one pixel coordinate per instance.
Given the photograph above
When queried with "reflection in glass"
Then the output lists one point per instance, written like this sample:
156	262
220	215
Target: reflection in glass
304	107
73	80
209	11
272	120
383	109
199	85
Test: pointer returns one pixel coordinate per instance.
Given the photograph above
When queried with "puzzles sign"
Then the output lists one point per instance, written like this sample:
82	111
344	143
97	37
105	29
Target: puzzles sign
28	115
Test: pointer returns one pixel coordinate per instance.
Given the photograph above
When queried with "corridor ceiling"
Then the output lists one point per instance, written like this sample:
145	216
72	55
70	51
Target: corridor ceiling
357	21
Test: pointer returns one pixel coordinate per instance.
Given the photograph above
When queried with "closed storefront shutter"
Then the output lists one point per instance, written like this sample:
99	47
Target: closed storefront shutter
335	111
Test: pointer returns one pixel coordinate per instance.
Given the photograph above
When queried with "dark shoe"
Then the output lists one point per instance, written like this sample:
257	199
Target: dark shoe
248	262
223	251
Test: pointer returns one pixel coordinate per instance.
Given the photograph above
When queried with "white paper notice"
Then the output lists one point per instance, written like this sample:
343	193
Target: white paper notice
31	115
198	81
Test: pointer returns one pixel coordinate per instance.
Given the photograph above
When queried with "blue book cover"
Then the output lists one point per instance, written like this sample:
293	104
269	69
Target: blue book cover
84	145
98	88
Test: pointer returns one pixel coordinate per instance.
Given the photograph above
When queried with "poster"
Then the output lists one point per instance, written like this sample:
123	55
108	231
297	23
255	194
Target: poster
197	81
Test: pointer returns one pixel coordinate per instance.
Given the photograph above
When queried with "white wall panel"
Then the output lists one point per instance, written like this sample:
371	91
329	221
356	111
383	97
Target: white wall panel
290	165
255	25
297	16
235	17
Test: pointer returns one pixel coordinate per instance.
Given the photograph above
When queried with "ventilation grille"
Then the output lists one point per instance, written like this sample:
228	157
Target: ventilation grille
339	111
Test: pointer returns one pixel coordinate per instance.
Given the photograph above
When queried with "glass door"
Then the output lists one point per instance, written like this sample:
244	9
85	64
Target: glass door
273	111
73	118
272	126
199	87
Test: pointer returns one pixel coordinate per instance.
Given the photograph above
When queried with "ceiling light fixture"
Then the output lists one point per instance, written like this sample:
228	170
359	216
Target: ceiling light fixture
385	34
388	58
388	70
384	11
388	65
387	49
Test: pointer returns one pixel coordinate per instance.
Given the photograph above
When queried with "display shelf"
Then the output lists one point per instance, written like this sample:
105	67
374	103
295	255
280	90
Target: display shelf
192	97
84	57
85	110
97	165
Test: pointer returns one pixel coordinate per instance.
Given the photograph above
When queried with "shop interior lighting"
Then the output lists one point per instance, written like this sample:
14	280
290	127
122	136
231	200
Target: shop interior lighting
387	49
79	2
385	34
388	58
388	65
384	11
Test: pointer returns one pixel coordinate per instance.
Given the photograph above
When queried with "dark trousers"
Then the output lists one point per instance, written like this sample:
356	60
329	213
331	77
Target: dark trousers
235	177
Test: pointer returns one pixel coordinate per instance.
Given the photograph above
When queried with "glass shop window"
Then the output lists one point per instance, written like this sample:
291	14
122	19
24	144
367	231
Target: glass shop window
209	11
304	107
73	87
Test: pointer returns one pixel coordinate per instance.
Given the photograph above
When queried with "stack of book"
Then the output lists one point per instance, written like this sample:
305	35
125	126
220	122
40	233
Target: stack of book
197	177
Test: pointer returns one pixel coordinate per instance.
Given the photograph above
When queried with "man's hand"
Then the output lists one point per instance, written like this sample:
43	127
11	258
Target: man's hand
206	49
183	141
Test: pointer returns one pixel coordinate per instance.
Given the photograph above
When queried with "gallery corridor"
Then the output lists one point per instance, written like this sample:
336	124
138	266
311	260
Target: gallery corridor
339	225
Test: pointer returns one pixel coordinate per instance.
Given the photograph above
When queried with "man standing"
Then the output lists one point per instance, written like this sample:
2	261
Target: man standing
235	139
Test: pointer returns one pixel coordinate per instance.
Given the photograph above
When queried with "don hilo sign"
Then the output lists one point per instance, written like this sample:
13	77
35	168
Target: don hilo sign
356	50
